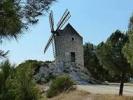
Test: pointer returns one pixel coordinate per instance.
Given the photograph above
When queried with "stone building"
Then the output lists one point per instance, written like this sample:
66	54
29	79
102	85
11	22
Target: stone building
69	46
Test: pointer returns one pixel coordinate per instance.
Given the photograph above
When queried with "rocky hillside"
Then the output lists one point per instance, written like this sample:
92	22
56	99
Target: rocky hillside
46	71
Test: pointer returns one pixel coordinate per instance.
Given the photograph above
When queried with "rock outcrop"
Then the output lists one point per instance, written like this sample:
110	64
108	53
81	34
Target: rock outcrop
79	75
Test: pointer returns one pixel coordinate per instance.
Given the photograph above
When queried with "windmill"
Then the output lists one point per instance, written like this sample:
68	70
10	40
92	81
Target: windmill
54	32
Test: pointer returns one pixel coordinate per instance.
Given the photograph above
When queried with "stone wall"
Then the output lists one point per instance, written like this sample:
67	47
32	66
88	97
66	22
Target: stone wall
69	41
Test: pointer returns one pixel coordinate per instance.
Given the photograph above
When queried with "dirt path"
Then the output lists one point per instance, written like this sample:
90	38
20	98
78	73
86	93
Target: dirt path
106	89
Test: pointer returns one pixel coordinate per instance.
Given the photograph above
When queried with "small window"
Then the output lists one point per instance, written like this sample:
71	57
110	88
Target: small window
72	39
72	56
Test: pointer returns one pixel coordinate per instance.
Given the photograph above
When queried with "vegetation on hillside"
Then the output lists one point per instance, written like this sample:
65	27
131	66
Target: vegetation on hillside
15	17
17	84
59	85
111	57
106	62
112	60
91	62
128	49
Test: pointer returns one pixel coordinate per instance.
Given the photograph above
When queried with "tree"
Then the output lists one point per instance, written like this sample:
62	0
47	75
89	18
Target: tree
17	15
128	48
91	62
6	70
111	57
131	23
32	64
26	89
17	84
3	54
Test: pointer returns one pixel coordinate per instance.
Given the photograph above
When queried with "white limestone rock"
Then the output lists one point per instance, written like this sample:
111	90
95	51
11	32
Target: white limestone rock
78	75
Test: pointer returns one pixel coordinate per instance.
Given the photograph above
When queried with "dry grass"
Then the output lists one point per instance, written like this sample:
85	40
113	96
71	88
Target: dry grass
109	97
81	95
73	95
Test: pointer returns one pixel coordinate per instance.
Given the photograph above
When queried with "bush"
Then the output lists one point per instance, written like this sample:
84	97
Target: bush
6	70
17	83
26	89
58	85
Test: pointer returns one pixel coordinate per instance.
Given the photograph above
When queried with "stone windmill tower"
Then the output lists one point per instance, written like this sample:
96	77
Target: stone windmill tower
67	42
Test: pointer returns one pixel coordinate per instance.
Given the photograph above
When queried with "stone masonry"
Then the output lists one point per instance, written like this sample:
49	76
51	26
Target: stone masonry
69	46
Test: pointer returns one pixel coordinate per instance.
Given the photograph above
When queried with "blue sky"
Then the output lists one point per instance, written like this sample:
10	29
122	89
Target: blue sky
95	20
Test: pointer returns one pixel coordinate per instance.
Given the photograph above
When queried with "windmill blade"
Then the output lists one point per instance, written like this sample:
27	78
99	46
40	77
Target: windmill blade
64	22
64	19
51	21
49	42
65	16
65	13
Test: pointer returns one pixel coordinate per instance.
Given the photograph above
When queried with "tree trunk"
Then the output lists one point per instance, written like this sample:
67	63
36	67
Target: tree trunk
121	84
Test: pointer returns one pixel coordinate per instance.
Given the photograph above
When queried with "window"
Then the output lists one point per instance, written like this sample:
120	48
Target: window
72	56
72	39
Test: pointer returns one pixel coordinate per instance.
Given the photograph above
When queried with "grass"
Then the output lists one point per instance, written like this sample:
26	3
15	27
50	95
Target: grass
73	95
110	97
82	95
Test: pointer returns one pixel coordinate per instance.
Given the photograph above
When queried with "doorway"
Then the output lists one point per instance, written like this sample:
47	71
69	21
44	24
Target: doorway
72	56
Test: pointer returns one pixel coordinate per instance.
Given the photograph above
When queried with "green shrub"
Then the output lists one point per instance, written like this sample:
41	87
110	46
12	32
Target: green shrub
6	70
58	85
26	89
17	83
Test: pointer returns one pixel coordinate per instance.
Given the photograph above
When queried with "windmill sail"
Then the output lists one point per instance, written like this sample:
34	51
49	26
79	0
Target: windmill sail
48	43
60	24
65	13
63	20
51	21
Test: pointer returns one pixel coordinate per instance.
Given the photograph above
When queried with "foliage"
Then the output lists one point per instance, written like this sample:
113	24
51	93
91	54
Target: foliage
3	54
111	57
131	23
97	70
128	48
10	21
5	72
110	53
32	64
17	15
91	62
58	85
26	87
35	65
16	84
